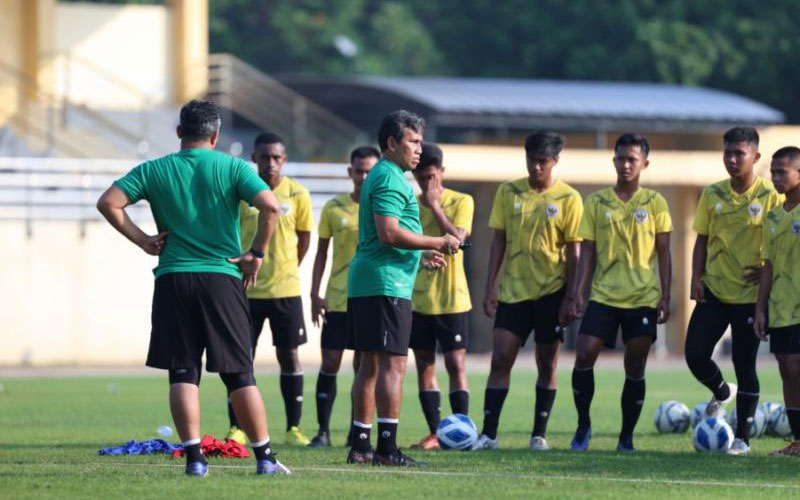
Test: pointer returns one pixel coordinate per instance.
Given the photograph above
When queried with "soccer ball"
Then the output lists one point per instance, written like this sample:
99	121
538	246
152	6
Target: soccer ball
757	426
712	434
771	411
457	432
779	423
671	416
699	413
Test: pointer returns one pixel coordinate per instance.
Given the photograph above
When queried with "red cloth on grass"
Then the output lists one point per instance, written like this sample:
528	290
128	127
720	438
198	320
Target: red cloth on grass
212	447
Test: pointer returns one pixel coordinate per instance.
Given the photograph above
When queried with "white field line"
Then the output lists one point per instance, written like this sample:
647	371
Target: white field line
400	471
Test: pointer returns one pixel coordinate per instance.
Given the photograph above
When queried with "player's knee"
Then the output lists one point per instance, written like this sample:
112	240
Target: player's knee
185	375
236	381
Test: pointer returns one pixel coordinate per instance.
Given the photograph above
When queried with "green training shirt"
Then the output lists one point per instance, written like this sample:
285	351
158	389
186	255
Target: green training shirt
379	269
194	194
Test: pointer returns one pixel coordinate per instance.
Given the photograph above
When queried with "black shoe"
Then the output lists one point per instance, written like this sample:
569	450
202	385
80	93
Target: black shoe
360	457
396	459
320	440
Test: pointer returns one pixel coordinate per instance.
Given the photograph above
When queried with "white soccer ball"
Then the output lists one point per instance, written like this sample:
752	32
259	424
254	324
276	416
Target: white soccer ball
712	435
457	432
699	413
779	423
771	411
757	427
671	416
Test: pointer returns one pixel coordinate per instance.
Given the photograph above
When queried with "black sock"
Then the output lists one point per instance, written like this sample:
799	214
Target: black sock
493	400
746	404
793	414
718	387
542	407
387	436
326	394
431	402
292	392
361	438
193	452
232	414
632	402
459	402
263	451
583	392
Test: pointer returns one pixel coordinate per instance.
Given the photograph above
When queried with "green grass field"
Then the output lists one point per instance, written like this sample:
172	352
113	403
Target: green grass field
51	430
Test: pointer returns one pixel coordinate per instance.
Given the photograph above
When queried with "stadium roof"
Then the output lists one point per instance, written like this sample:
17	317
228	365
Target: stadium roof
516	103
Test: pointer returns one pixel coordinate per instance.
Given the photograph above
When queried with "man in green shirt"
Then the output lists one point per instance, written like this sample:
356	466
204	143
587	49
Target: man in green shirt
380	285
198	301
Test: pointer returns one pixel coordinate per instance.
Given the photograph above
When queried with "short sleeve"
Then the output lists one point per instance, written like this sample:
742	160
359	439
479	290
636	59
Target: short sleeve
701	221
573	213
586	229
248	183
325	230
464	213
766	243
134	183
388	199
305	219
497	216
661	212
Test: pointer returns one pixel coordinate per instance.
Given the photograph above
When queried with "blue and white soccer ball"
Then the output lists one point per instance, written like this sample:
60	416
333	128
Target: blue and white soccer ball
671	416
457	432
771	412
779	423
757	427
712	435
699	413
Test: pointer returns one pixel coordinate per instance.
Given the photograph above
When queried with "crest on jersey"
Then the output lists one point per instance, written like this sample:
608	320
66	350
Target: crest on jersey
517	206
286	209
551	210
754	209
718	207
796	227
640	216
344	221
608	215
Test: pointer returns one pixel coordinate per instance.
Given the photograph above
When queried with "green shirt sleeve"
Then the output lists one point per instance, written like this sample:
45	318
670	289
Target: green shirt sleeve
388	199
134	183
248	183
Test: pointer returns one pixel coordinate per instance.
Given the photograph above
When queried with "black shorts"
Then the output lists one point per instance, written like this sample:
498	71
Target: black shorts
334	331
285	320
604	321
196	312
380	323
449	329
540	315
784	340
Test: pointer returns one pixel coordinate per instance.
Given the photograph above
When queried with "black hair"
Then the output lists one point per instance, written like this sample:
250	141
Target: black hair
547	143
267	138
364	152
633	140
199	120
741	134
395	123
791	153
431	156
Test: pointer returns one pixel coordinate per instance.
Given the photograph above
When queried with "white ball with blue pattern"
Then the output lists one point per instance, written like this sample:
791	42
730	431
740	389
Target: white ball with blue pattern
712	435
457	432
671	417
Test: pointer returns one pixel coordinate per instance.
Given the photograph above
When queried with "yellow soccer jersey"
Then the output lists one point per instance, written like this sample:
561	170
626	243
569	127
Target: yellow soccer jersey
624	235
445	291
339	220
279	275
782	248
537	226
733	224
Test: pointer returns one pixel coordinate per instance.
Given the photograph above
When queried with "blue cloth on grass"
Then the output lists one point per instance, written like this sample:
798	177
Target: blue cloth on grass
134	447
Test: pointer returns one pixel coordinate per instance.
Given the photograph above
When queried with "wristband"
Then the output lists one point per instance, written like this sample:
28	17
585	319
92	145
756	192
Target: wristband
256	253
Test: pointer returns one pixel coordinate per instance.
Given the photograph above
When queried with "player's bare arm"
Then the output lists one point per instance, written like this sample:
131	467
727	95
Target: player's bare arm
318	304
430	199
112	205
764	289
268	210
390	233
664	274
303	242
698	265
586	261
573	251
497	252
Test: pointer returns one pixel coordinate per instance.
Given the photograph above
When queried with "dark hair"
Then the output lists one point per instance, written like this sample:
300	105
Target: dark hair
547	143
633	140
431	156
199	120
267	138
791	153
395	123
364	152
741	134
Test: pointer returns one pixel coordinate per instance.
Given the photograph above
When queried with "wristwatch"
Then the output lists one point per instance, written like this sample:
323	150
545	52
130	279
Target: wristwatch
256	253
